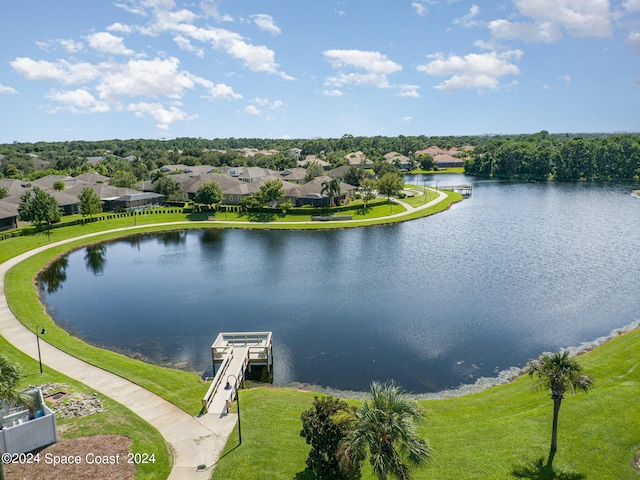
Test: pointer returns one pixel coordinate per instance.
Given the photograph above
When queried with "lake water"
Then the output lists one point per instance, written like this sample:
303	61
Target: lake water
515	270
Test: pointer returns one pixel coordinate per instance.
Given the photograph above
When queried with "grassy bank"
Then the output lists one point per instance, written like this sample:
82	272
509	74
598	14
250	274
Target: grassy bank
501	433
115	419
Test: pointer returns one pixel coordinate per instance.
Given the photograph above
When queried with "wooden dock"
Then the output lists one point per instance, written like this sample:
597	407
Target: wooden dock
461	189
235	353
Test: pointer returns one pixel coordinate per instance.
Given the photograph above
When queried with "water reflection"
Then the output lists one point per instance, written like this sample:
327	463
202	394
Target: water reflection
52	278
95	258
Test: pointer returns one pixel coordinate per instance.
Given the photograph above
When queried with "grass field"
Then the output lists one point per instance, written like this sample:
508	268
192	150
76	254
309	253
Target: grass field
501	433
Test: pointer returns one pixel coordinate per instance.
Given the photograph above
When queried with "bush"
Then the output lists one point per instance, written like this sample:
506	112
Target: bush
324	426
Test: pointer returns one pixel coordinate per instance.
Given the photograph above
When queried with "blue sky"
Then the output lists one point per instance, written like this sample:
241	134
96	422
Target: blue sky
92	70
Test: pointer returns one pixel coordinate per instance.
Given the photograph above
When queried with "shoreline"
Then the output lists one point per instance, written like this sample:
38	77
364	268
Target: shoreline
482	383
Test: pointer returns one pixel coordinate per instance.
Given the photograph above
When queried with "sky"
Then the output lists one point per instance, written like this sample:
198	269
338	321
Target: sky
107	69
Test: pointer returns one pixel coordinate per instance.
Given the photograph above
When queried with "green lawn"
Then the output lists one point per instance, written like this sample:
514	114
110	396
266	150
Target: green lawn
500	433
115	419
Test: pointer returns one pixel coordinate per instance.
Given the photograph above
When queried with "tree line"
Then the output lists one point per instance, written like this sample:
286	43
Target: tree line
543	157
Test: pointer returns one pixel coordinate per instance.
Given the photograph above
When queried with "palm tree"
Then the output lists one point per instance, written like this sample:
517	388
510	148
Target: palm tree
385	428
331	188
10	375
558	373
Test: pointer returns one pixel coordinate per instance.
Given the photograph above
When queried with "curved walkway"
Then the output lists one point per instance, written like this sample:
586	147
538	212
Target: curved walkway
193	441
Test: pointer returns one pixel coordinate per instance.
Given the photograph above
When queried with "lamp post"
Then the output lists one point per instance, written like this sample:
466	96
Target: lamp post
227	387
39	331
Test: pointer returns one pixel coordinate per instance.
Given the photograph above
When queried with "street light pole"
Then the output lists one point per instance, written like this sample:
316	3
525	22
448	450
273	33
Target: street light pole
227	387
39	331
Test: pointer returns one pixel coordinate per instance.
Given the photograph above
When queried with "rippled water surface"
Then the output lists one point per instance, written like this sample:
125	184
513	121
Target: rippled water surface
515	270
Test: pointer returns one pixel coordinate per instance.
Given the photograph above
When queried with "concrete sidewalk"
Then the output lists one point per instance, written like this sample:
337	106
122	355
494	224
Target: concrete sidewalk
193	441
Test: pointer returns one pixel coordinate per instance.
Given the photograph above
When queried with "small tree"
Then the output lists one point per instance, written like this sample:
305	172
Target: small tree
270	192
209	193
166	186
314	169
324	426
4	192
90	202
10	376
368	187
58	186
39	207
123	178
558	373
390	184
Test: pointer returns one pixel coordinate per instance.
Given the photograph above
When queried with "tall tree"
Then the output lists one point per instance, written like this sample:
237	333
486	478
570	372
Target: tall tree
390	184
558	373
10	376
331	188
368	187
385	429
39	207
90	202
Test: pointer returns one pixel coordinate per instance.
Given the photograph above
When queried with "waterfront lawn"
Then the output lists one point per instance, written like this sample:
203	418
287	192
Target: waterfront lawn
501	433
115	419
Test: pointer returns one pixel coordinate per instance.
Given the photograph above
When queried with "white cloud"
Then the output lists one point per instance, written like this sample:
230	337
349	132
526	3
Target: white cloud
406	120
60	71
108	43
70	46
266	23
420	8
633	41
577	18
7	90
164	117
408	91
277	105
210	9
632	5
186	45
479	71
468	19
566	79
220	91
158	77
120	28
376	66
252	109
78	101
332	93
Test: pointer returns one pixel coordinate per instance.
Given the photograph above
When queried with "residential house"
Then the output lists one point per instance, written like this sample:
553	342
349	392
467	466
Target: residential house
311	193
359	159
401	161
247	174
447	161
314	159
8	215
294	175
134	201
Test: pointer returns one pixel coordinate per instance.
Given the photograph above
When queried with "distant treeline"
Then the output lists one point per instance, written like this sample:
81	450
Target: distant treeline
543	156
566	156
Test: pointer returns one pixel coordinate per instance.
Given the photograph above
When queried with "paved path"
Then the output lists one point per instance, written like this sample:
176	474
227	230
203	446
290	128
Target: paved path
193	441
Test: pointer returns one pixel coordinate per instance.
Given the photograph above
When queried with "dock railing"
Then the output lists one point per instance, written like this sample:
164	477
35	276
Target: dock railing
217	379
